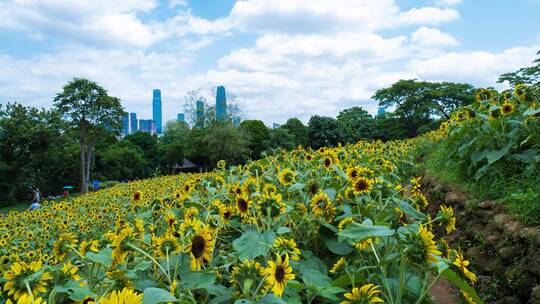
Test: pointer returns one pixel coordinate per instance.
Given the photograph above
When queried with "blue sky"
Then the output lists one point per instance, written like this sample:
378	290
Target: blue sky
281	58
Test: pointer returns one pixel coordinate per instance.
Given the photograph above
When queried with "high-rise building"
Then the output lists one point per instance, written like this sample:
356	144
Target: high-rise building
125	124
181	117
152	128
381	111
200	114
221	103
133	118
156	109
142	125
236	121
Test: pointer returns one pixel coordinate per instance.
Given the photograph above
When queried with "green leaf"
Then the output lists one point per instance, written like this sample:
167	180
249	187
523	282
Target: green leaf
531	111
341	248
461	284
156	295
313	277
104	257
271	299
198	280
339	172
283	230
409	210
75	291
296	187
356	232
253	244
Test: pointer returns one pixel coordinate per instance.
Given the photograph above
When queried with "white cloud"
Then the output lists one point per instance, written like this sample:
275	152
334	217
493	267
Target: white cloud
426	36
448	2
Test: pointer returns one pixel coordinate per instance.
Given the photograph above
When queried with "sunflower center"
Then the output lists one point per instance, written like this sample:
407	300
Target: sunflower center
197	246
280	273
361	185
227	214
242	204
327	162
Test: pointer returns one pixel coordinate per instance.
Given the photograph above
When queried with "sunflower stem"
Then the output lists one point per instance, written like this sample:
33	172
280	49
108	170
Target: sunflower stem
29	289
261	283
153	260
384	279
401	278
423	295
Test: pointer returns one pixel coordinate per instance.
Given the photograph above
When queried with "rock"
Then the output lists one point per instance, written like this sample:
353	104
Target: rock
531	233
510	252
512	228
534	267
486	204
456	197
493	239
535	295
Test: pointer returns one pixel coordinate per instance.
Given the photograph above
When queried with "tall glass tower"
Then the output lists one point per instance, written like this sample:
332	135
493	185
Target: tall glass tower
156	109
133	117
199	123
221	103
181	117
125	124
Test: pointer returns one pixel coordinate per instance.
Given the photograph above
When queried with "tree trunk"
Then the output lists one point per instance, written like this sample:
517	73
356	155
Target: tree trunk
83	168
88	163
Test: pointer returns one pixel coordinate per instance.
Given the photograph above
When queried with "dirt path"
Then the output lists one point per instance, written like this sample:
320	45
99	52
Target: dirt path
444	292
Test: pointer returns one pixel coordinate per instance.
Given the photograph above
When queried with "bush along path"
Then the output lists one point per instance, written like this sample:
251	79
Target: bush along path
504	253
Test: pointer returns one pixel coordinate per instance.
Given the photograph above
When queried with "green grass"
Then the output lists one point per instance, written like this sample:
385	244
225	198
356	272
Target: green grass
520	194
16	207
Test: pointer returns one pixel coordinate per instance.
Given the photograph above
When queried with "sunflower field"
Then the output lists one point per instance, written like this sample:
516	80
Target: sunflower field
335	225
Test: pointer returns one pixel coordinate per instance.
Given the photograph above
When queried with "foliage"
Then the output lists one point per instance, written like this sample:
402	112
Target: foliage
298	130
496	141
122	161
281	138
305	226
527	75
416	101
357	124
258	136
325	132
34	148
91	112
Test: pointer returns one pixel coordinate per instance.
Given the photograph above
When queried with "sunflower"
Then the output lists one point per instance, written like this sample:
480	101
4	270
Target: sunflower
278	273
242	205
22	274
200	248
344	222
521	91
444	248
126	296
364	244
287	246
494	114
70	271
286	177
483	94
27	299
362	185
221	164
507	108
328	161
462	264
338	265
165	245
85	246
119	243
137	195
365	294
246	274
225	212
446	214
65	243
428	248
319	203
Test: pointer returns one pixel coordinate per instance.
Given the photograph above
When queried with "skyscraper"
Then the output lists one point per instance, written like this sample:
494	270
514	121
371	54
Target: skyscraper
221	103
181	117
236	121
200	114
125	124
381	111
133	118
156	109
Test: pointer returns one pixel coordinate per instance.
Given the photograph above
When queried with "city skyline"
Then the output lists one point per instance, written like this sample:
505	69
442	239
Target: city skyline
282	58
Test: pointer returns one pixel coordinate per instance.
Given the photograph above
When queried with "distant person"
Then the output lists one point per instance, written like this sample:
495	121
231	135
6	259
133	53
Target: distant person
36	199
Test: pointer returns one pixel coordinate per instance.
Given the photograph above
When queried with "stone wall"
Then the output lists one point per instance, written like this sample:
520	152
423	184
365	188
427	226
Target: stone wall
504	253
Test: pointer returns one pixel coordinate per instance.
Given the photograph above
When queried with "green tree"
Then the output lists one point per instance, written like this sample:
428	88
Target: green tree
449	96
324	132
527	75
148	143
281	138
357	124
413	102
123	161
223	141
91	112
298	130
258	135
172	144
